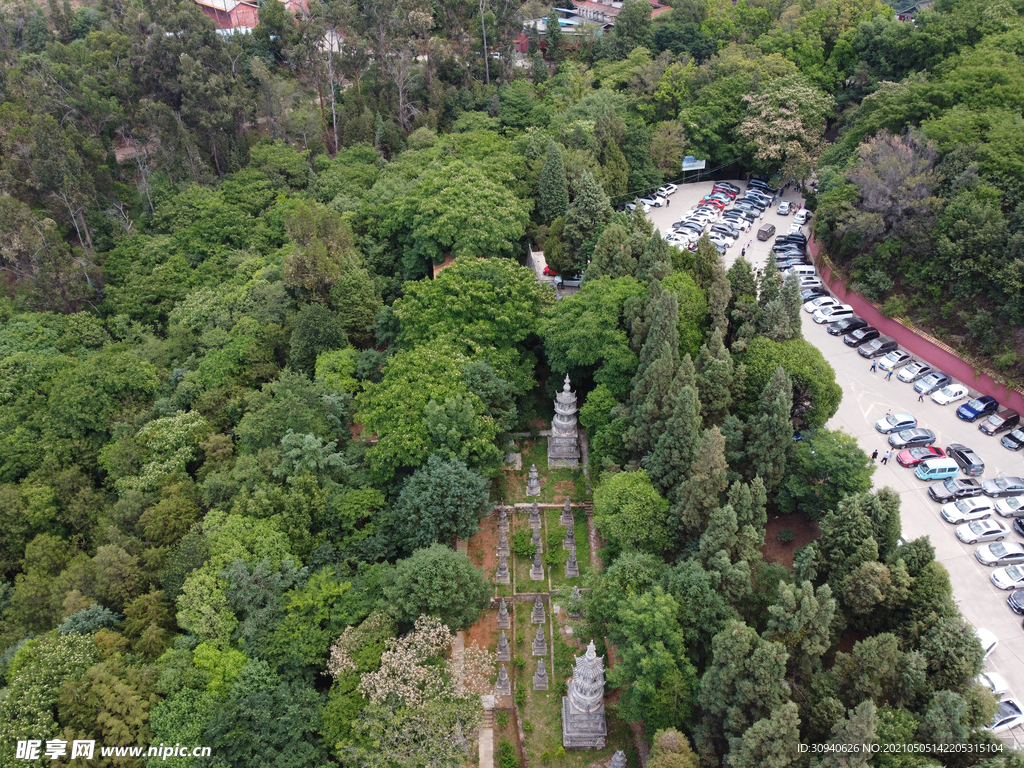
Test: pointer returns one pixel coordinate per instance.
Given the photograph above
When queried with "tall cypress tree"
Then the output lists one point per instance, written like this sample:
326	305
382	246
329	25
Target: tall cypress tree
719	295
768	284
650	400
715	372
704	263
638	314
699	496
741	279
790	298
669	462
771	431
553	189
655	261
586	218
664	329
775	321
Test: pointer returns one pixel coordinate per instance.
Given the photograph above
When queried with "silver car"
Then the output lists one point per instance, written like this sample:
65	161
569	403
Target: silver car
1000	553
1003	486
981	530
895	422
1011	507
933	382
918	369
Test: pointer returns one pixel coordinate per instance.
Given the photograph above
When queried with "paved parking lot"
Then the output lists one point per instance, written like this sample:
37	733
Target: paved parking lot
866	398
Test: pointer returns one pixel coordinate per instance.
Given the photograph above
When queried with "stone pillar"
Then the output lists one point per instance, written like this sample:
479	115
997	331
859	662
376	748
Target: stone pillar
540	643
563	445
504	620
540	679
504	652
538	616
504	686
533	482
503	576
572	567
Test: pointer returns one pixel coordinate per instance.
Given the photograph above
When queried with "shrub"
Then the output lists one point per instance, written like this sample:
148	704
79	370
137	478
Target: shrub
560	753
502	718
520	697
545	757
507	755
518	661
527	725
896	306
561	688
521	543
786	535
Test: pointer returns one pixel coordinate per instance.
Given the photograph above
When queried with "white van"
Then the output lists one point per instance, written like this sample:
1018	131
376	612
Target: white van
801	270
937	469
832	314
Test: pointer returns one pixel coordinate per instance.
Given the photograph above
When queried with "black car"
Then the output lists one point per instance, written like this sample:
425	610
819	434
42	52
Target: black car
954	489
970	463
861	335
883	345
849	325
1001	421
807	294
1016	598
1014	440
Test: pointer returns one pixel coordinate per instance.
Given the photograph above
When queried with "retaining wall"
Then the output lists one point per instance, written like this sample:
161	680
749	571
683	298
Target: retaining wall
933	352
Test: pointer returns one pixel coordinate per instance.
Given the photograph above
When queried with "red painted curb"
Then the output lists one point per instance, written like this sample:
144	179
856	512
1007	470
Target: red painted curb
942	359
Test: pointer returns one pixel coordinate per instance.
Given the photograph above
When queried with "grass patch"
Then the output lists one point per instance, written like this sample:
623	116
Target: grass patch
561	556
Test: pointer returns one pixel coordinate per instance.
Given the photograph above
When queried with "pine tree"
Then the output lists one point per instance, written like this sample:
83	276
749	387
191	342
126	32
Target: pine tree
554	38
705	259
790	297
538	69
669	462
771	431
801	620
655	261
744	683
750	502
650	400
772	742
741	279
671	749
860	727
612	241
553	189
586	218
638	314
715	373
768	284
700	494
719	294
664	329
721	535
775	321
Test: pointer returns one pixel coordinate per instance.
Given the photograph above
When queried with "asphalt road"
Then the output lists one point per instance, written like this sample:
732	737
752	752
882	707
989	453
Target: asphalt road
866	398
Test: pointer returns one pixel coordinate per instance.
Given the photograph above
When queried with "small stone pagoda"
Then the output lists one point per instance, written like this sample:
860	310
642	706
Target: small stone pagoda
583	720
566	518
537	569
504	651
569	542
618	760
540	679
533	482
540	646
504	620
564	445
504	685
538	616
503	548
572	566
503	576
535	522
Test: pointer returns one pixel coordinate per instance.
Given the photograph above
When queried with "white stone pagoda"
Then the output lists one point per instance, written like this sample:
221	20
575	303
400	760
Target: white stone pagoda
583	720
564	445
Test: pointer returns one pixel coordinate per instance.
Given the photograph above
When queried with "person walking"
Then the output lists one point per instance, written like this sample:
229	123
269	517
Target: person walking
885	458
889	374
874	454
874	366
920	397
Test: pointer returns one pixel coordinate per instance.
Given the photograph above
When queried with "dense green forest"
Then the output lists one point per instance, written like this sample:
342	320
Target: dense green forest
241	427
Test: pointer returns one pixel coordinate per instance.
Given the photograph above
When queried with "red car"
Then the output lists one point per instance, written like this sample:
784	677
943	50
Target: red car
911	457
549	271
719	204
731	194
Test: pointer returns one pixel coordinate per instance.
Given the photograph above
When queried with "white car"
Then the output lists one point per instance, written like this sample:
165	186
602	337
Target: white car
1009	716
1000	553
802	216
833	313
632	206
668	189
821	302
950	394
1011	577
993	682
988	641
784	208
657	201
738	222
794	229
810	281
965	510
1011	507
981	530
719	241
